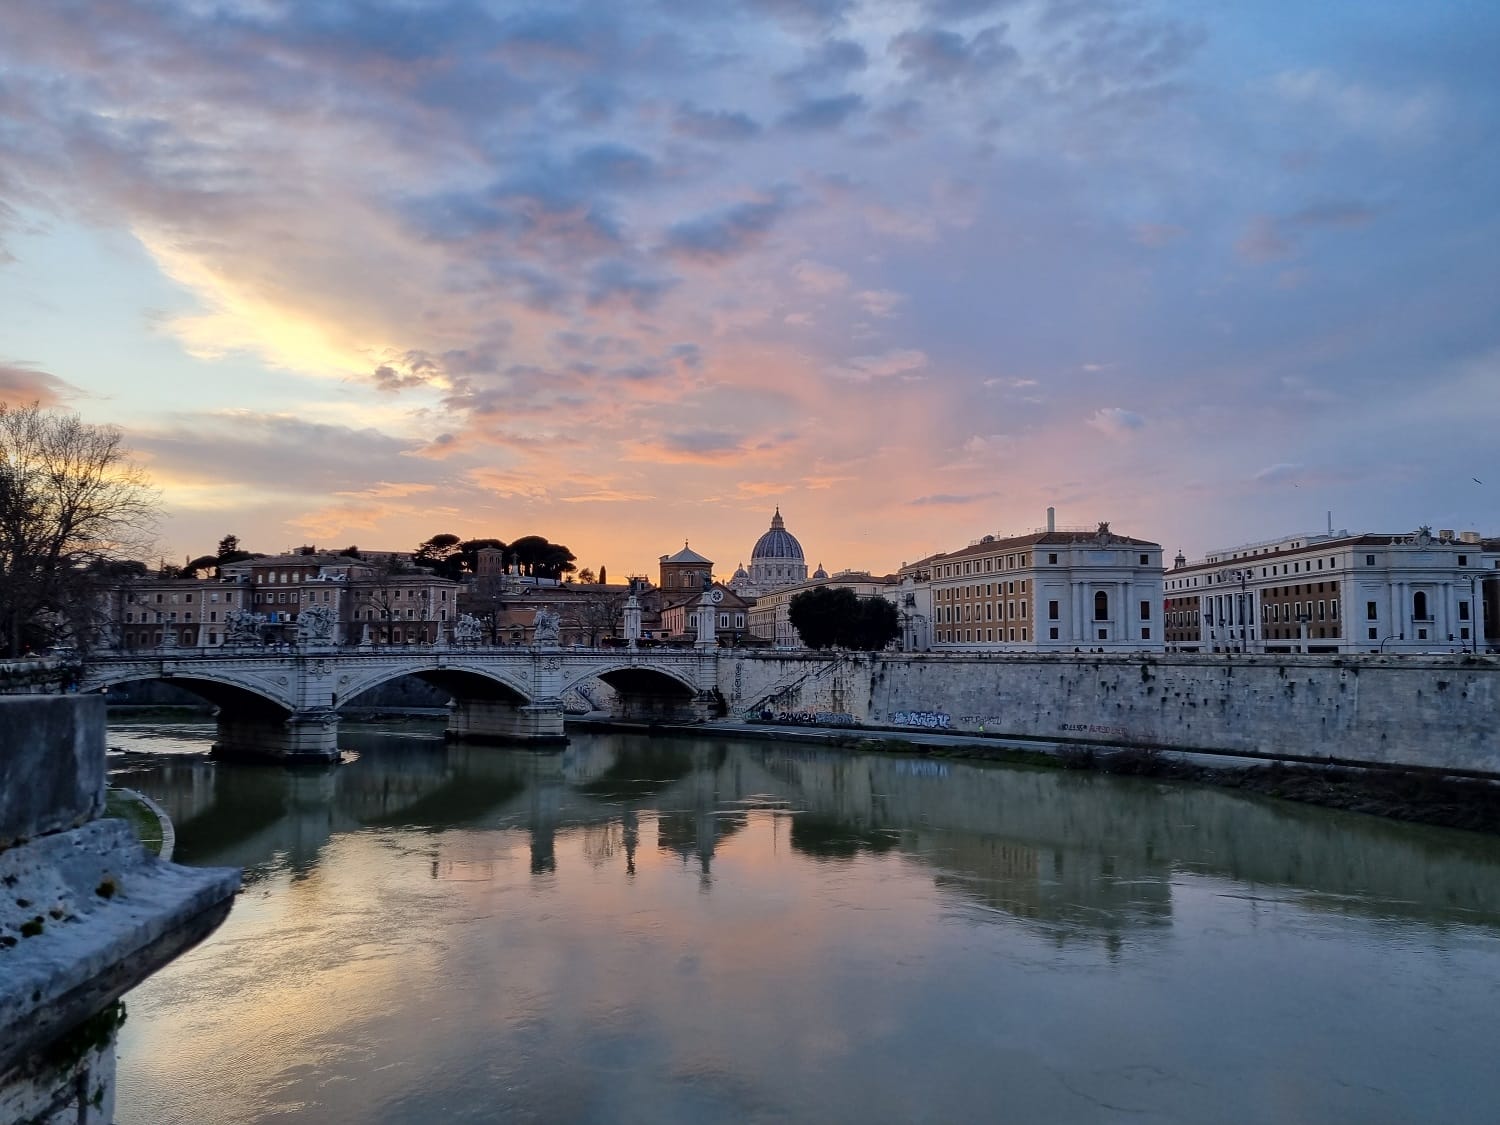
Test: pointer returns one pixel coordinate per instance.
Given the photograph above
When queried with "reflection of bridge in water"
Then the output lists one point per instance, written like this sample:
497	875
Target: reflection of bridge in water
286	705
1075	855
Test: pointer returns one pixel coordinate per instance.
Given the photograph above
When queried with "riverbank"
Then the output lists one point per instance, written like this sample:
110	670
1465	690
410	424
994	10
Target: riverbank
1417	796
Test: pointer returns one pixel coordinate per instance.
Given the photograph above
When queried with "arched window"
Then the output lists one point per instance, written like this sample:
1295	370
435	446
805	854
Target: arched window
1419	606
1101	606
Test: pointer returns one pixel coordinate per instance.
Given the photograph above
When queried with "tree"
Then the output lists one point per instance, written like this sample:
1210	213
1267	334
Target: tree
470	549
69	497
595	614
586	575
542	559
201	566
837	617
229	545
603	576
442	554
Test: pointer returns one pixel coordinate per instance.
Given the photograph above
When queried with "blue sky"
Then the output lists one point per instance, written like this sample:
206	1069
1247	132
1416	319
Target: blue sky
625	274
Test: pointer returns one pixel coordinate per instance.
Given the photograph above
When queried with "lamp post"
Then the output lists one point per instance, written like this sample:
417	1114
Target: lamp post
1392	637
1476	608
1244	578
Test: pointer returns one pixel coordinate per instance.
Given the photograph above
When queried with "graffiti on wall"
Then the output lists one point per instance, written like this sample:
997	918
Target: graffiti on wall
932	720
809	718
1093	728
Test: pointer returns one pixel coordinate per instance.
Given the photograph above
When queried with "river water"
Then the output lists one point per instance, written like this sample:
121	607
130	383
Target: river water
703	930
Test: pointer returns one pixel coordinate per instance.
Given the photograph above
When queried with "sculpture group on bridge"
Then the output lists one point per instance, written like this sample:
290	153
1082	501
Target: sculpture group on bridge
546	628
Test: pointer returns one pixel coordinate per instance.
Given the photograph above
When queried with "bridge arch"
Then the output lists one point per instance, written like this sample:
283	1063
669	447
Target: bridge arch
635	679
459	681
228	692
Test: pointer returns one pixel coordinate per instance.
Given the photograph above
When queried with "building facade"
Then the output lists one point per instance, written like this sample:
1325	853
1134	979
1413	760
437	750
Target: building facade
1052	590
1338	593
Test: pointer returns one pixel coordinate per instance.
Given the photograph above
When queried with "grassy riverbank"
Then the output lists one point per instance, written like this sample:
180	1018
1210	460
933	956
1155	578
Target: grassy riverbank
129	808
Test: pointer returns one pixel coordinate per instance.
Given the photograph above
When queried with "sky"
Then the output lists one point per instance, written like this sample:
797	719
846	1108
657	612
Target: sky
626	275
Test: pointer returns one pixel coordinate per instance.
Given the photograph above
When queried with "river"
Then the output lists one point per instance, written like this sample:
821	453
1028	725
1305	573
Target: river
710	929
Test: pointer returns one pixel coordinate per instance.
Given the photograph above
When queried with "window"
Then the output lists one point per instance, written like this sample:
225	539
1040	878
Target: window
1371	613
1145	560
739	620
1052	559
1322	607
1369	560
1145	633
1333	609
1145	611
1463	560
1104	634
1372	634
1101	606
723	621
1052	612
1023	632
1419	606
1052	633
1463	611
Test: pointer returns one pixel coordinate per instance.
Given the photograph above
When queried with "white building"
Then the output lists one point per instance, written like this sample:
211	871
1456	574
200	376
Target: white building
1051	590
1336	592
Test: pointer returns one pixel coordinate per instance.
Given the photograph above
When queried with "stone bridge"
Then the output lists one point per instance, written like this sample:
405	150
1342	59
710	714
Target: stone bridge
285	705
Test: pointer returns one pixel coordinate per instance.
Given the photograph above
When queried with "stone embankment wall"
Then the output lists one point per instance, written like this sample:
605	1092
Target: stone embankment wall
1434	711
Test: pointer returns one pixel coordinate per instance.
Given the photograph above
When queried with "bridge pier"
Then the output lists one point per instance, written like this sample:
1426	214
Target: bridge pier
665	707
489	720
302	738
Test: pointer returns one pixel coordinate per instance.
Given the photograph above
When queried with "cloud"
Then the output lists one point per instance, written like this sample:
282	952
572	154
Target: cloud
22	384
1156	235
935	54
815	277
1116	422
1332	213
879	302
832	59
952	499
989	443
821	115
1273	474
905	363
714	125
1264	241
726	233
1388	111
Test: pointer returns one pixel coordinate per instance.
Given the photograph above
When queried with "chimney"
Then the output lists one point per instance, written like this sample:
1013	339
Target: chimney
1051	520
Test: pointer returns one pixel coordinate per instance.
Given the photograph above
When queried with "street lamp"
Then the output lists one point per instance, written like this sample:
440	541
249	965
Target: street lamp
1476	608
1392	637
1244	577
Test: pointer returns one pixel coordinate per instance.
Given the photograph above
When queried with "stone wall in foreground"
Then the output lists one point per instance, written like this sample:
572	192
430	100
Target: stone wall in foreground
1433	711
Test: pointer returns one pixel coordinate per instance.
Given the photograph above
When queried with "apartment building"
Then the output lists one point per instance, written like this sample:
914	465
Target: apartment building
1056	589
1338	592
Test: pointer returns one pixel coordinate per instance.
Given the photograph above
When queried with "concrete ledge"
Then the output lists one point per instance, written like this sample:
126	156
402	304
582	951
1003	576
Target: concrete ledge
85	915
51	764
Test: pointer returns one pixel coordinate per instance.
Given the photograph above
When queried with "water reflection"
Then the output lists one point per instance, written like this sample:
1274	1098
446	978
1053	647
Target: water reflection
918	920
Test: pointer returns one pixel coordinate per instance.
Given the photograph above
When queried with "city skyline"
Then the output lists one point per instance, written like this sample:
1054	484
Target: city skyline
364	273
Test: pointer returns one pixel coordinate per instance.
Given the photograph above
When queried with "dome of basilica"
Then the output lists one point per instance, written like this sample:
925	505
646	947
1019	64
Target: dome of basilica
778	544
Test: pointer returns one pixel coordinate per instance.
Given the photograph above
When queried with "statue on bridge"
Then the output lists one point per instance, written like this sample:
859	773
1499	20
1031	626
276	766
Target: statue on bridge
546	628
241	627
468	630
315	625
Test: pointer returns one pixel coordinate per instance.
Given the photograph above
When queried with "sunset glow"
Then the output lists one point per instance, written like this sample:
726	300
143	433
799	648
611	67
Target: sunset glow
625	275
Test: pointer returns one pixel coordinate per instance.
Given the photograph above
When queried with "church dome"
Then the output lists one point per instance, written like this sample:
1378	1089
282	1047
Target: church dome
777	544
820	572
741	574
